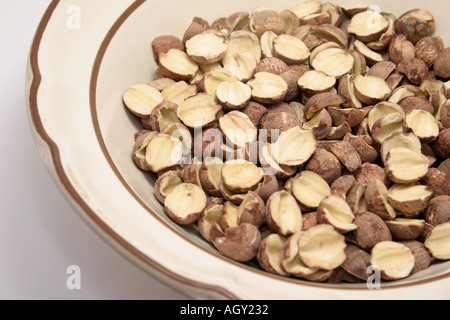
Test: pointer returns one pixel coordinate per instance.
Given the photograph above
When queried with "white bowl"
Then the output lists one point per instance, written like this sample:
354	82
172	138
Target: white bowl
82	59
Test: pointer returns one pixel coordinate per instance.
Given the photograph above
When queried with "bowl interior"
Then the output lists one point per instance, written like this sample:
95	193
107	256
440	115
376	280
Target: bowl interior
128	60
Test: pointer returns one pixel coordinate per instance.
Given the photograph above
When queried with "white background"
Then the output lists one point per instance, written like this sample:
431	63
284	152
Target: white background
40	234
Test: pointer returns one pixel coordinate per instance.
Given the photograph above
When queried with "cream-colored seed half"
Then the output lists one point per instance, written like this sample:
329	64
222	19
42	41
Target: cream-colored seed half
400	140
178	62
334	62
291	261
163	152
198	111
286	213
307	8
290	48
371	86
316	81
243	41
406	166
241	175
179	91
438	242
394	259
242	65
409	192
381	109
231	214
141	99
274	246
369	54
214	169
423	124
338	213
367	23
391	123
270	164
267	85
186	199
233	93
206	48
322	247
267	43
294	147
216	77
309	188
169	184
238	128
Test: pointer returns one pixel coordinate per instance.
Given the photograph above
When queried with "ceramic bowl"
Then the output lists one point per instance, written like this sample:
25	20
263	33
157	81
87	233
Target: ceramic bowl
85	54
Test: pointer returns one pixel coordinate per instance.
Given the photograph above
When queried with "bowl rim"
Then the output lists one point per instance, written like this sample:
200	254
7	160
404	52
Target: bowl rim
108	233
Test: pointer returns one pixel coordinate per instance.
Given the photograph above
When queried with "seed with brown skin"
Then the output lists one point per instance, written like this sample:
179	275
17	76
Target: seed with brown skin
366	152
357	262
325	164
414	69
415	24
335	211
382	69
252	210
369	172
365	31
272	65
280	117
441	146
401	49
437	181
164	44
309	220
377	202
438	210
342	185
350	115
416	103
406	229
445	167
321	101
267	20
405	166
197	26
308	188
239	243
371	229
428	49
348	156
445	114
421	255
442	64
410	199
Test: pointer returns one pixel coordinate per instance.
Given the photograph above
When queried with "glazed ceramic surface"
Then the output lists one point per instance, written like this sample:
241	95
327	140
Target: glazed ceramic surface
85	54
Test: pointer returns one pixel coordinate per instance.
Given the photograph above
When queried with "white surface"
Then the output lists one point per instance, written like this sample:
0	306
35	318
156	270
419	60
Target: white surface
40	234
